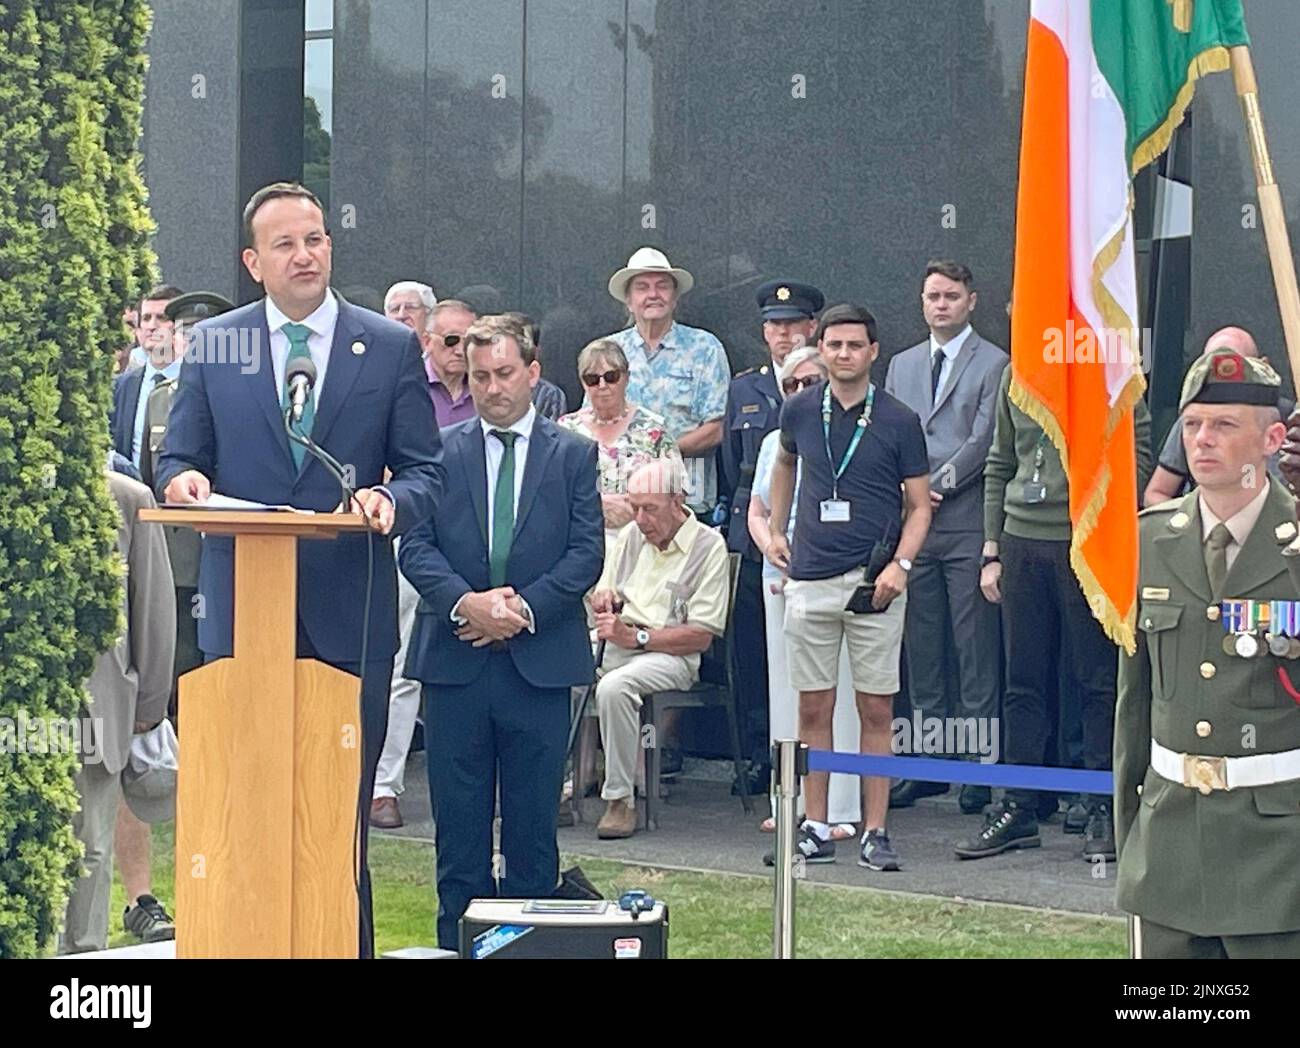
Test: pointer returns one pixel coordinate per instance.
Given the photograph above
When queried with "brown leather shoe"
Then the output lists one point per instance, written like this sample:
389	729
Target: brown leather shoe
618	821
385	814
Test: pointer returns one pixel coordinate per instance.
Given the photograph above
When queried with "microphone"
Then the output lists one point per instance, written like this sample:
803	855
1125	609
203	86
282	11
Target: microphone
300	377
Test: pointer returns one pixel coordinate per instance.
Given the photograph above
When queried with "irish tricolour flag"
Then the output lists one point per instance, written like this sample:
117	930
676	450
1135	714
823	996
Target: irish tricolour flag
1106	82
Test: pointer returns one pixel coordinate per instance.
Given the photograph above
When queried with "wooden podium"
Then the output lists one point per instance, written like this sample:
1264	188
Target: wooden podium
270	763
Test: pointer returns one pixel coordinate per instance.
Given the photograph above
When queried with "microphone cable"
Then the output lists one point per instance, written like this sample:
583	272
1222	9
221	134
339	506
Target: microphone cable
336	470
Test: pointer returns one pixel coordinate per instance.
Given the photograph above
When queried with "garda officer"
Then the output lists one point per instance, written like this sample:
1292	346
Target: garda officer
183	544
754	401
1207	731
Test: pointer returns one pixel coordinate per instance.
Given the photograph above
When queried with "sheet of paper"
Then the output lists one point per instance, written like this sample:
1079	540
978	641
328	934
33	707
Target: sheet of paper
218	501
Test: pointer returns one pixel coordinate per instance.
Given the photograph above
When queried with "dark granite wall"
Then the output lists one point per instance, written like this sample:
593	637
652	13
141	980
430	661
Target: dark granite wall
517	151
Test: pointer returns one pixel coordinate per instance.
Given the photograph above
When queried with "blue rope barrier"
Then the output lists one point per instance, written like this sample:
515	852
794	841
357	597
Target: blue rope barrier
967	773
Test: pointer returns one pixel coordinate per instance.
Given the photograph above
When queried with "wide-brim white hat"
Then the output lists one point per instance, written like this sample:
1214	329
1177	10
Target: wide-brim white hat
648	260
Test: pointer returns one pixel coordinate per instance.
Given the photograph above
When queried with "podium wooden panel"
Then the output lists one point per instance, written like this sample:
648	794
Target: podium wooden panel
270	764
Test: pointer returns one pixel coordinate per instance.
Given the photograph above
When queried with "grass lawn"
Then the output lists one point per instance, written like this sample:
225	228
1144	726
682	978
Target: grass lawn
729	915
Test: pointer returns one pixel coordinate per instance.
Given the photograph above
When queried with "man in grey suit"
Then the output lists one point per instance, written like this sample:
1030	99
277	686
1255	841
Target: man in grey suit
129	688
951	381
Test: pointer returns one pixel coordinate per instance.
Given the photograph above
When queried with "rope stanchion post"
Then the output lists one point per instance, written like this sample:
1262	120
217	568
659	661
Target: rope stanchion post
789	765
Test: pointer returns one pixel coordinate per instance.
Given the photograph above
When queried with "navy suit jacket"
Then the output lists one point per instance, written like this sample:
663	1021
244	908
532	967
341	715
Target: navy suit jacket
121	423
555	558
374	411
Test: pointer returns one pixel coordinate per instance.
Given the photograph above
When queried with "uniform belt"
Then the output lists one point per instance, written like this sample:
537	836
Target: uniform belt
1224	773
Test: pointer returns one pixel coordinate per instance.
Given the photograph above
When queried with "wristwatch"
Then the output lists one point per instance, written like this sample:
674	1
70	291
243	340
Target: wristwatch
989	558
904	563
642	639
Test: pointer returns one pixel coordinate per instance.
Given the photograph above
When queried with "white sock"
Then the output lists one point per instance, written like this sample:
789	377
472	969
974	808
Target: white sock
821	829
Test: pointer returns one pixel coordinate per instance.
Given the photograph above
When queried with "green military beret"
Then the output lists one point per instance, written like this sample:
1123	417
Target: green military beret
1224	376
196	306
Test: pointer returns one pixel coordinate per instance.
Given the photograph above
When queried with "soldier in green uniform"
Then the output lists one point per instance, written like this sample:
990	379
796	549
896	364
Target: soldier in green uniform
183	544
1207	733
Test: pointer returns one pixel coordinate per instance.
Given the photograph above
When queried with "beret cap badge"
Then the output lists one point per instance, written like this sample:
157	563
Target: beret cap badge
1229	368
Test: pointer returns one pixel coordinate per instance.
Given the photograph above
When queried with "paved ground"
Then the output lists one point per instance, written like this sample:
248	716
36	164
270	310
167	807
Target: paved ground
703	827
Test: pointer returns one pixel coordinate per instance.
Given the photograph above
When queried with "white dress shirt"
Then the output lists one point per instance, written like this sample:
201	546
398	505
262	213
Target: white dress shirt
321	321
1239	525
950	350
493	451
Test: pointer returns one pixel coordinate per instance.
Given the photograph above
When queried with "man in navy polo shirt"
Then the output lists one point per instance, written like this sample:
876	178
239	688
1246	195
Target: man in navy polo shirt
865	490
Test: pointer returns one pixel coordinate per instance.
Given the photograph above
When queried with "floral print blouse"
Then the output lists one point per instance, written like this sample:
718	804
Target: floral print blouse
645	439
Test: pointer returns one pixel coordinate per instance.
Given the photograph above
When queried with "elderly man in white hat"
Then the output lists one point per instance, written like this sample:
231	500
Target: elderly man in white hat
676	371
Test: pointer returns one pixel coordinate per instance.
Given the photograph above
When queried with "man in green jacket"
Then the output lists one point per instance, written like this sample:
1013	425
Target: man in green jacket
1207	732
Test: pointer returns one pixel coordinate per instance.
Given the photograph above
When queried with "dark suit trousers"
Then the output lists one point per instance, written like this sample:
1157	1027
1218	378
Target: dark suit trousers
946	611
1044	611
497	725
749	623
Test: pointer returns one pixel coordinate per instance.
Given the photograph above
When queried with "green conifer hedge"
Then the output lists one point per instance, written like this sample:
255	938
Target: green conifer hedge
73	252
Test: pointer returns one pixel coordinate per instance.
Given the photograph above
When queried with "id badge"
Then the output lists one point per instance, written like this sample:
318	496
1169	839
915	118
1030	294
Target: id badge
835	511
1035	493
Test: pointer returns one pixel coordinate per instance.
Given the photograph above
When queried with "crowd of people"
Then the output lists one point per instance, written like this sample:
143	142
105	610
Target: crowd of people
914	531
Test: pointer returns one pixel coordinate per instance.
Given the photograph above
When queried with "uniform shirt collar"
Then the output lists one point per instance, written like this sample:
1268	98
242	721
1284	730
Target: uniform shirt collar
953	346
1241	523
524	426
320	320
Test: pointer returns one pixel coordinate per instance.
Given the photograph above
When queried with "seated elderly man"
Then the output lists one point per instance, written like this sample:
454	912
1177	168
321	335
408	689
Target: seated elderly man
670	573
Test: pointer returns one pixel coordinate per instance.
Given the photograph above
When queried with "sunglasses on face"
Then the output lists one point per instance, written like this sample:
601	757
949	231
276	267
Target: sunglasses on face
793	385
610	378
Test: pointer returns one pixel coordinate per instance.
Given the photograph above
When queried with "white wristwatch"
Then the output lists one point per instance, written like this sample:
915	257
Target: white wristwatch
904	563
642	639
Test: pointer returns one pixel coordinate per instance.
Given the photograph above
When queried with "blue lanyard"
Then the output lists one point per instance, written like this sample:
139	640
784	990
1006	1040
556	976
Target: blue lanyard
864	420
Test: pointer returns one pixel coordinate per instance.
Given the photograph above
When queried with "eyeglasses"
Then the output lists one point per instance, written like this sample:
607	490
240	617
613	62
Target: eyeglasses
793	385
610	378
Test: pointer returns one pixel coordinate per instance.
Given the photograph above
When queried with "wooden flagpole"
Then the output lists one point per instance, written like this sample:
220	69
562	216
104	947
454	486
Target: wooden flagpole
1270	206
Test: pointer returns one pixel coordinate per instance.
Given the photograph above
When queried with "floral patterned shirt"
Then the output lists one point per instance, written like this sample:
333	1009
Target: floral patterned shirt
645	439
685	380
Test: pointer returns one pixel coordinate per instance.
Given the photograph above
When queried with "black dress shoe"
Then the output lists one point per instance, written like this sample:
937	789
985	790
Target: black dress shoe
973	799
1076	815
909	791
1046	805
1099	837
1006	826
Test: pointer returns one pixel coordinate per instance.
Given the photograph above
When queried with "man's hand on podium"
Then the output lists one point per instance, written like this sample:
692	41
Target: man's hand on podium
378	506
495	614
187	487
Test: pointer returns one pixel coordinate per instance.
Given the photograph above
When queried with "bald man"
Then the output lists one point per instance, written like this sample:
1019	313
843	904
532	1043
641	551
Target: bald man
1172	473
672	574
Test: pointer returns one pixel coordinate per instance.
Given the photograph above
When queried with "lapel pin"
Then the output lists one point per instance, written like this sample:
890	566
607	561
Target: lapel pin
1179	520
358	348
1285	532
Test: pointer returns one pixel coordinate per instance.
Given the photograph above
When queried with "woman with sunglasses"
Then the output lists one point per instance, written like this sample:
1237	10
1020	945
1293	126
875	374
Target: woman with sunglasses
628	435
802	369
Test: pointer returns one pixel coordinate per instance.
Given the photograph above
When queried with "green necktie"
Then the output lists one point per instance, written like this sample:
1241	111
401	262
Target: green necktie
1216	558
503	509
297	335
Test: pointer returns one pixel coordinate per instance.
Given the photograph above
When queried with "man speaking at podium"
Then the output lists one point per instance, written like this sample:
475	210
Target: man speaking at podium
368	407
